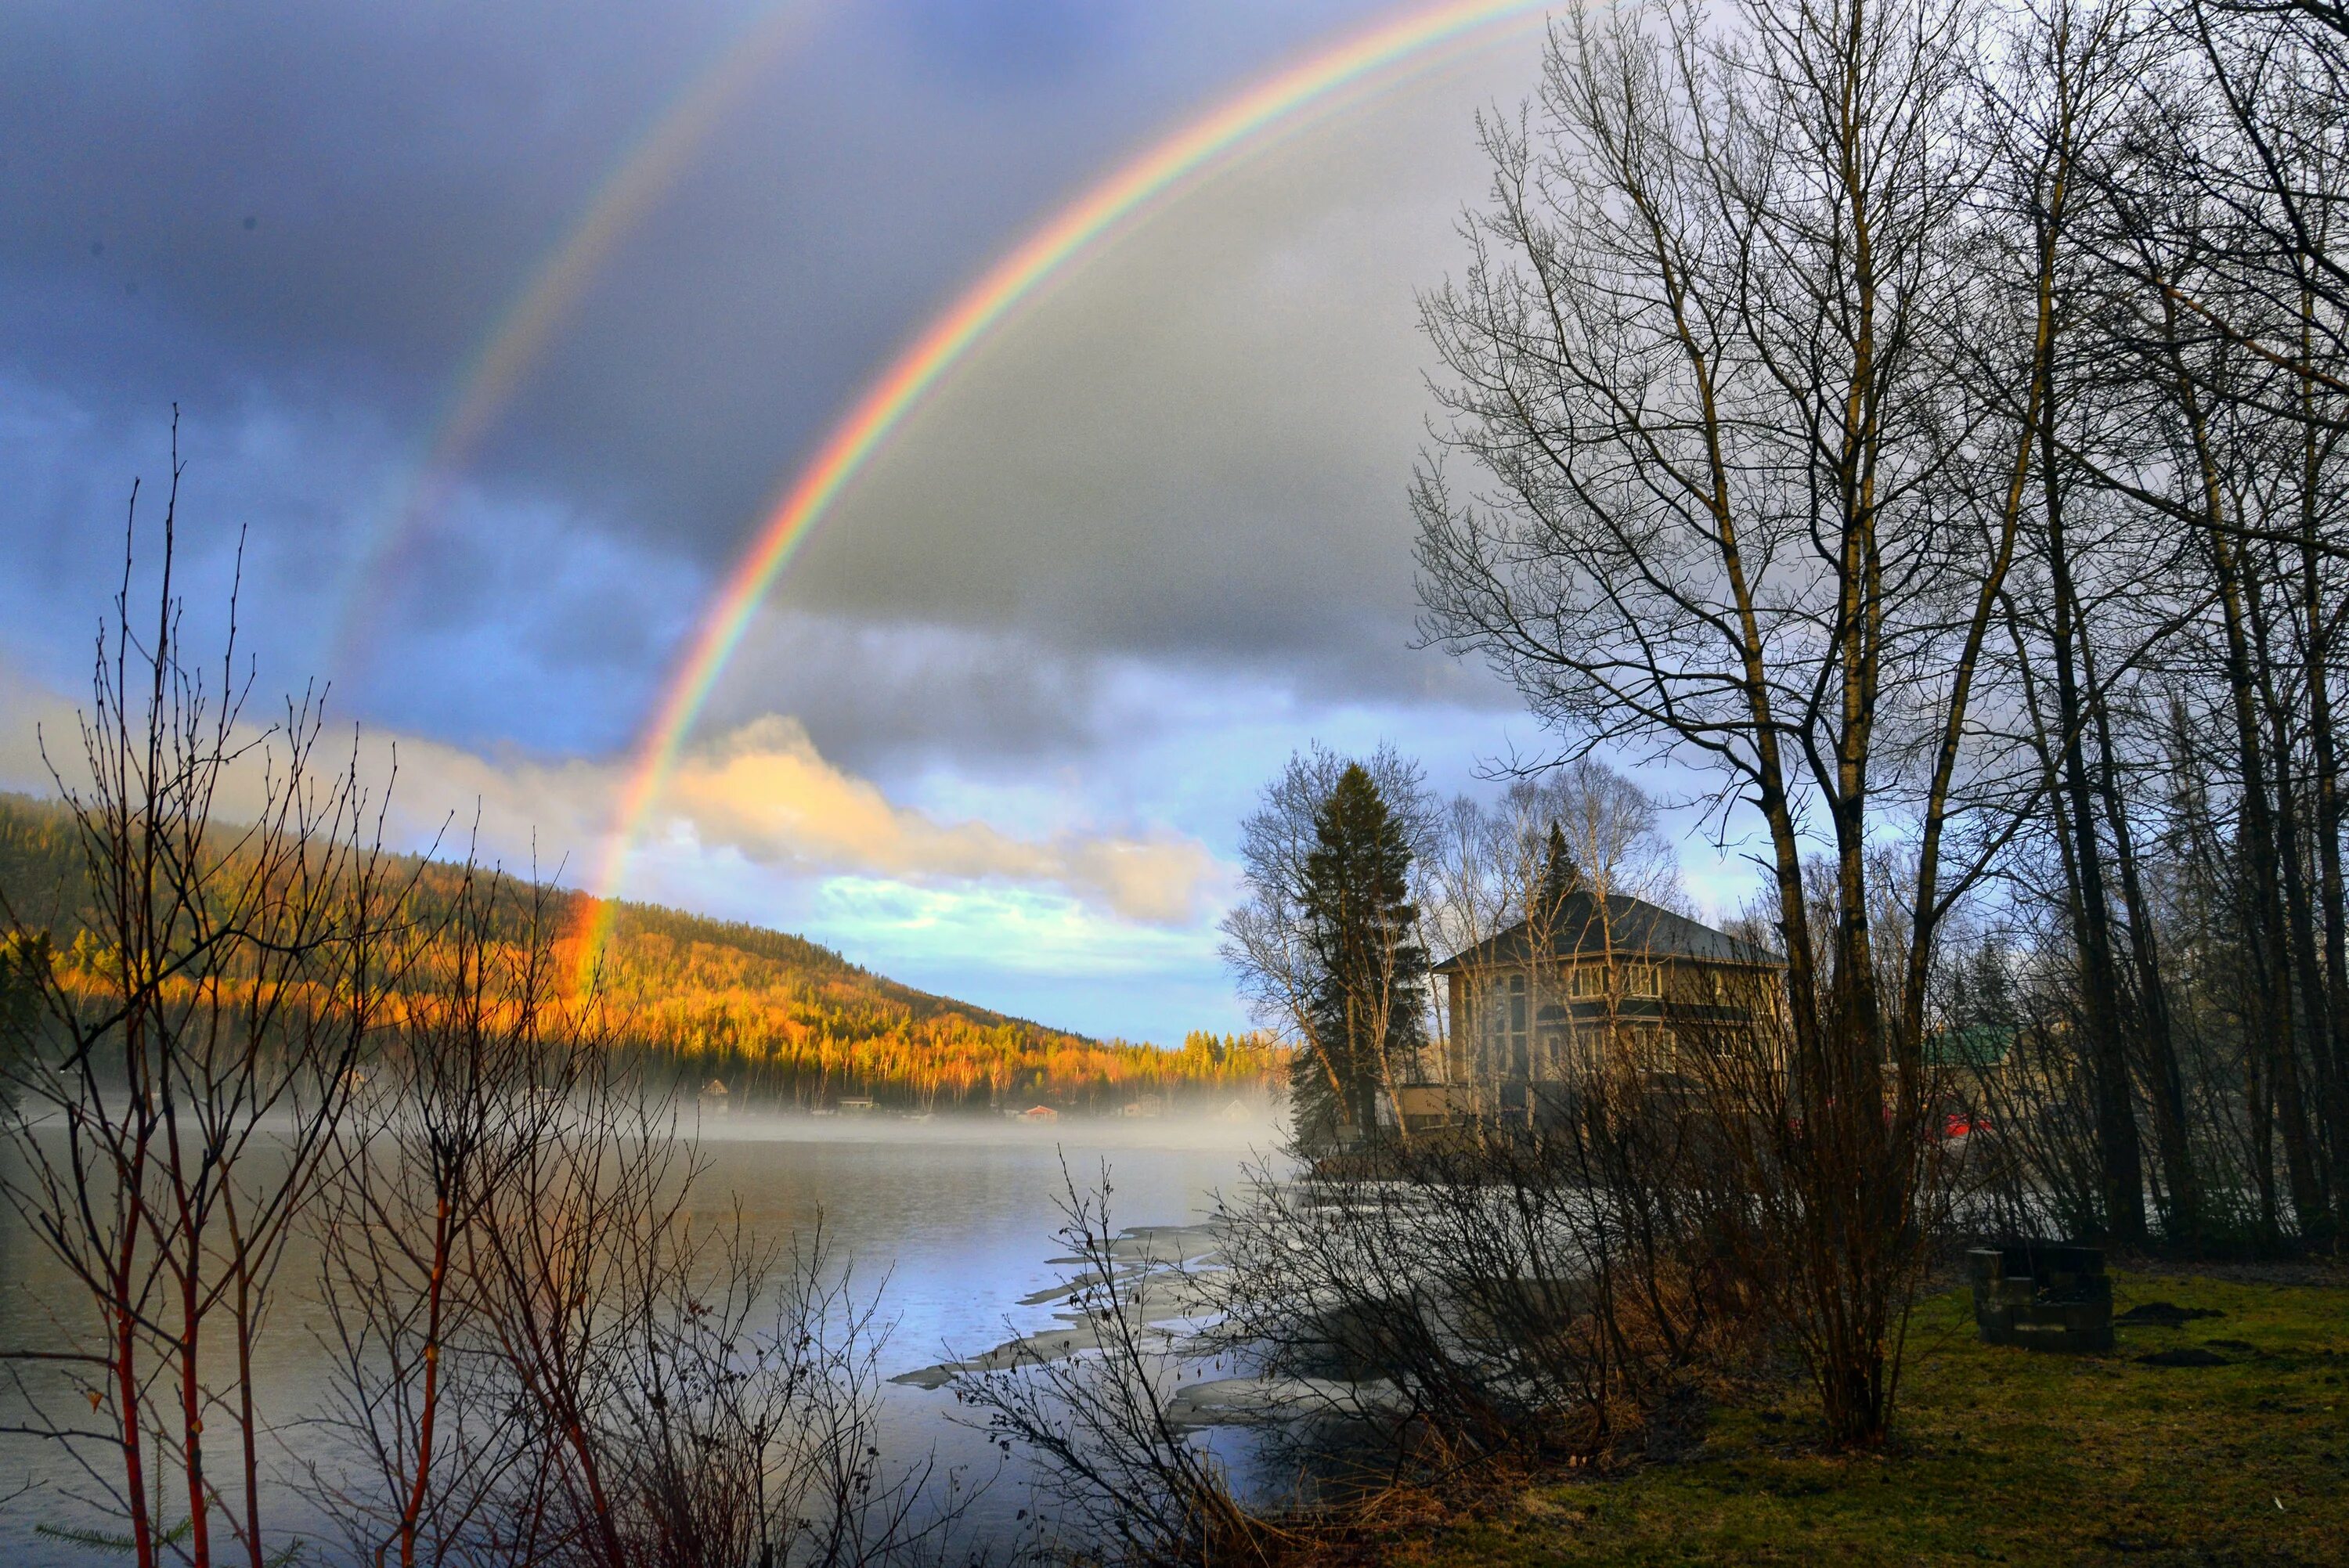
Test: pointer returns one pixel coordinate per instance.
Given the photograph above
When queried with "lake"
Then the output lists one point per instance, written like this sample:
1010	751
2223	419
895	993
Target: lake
952	1222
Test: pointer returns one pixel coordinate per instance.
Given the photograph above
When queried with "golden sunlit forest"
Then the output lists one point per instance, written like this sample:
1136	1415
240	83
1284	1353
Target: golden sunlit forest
777	1021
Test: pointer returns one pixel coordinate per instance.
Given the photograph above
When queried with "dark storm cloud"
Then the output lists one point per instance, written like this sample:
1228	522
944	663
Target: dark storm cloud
1199	450
885	697
298	222
405	168
396	164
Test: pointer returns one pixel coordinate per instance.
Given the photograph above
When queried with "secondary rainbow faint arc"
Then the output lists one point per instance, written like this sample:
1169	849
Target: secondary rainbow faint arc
526	327
852	442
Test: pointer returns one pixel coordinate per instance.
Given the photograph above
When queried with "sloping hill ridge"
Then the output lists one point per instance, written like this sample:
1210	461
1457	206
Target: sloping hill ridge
645	928
778	1020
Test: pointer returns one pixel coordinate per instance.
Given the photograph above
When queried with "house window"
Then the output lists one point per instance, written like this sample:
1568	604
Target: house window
1638	979
1551	1033
1652	1050
1506	1031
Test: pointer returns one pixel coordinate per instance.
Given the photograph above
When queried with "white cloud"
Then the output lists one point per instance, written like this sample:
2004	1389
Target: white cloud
761	792
764	790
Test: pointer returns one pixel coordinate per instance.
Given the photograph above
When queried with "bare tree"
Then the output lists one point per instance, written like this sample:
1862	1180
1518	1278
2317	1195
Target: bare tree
270	1026
543	1356
1700	361
482	1056
195	1051
1127	1481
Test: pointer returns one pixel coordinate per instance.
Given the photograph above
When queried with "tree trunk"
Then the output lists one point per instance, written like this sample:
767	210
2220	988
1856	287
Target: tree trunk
2299	924
2182	1219
2332	1042
2121	1184
2266	945
2266	948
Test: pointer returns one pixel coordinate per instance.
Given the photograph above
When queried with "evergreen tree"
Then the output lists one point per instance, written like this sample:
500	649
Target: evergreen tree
1560	876
1369	998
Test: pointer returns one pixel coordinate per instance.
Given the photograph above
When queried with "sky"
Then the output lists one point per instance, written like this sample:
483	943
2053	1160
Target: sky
495	332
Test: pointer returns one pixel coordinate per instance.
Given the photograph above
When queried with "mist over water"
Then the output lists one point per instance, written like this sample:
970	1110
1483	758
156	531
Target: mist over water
950	1222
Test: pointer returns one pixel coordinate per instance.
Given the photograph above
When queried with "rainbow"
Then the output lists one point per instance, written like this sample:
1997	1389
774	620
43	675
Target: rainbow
1375	54
523	331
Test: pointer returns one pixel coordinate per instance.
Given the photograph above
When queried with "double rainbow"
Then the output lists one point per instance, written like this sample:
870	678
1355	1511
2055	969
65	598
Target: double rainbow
1377	55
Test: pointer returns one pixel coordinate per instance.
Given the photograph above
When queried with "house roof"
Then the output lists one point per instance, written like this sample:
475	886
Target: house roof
1628	927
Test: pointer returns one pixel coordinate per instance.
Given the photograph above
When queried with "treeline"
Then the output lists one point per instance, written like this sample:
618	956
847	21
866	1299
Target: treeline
791	1033
780	1021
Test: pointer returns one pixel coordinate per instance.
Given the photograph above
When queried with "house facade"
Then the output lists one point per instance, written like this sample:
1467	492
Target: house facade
1593	986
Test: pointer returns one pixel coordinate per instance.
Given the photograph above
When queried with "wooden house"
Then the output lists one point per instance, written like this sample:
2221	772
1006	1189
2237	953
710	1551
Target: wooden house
1596	985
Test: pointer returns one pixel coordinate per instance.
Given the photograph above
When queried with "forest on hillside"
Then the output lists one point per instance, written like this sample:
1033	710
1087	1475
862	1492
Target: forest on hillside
782	1022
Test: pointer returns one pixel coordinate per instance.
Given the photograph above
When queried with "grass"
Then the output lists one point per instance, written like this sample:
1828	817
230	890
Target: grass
2002	1456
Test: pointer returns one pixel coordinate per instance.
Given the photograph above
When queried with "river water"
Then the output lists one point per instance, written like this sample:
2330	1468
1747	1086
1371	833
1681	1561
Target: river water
950	1221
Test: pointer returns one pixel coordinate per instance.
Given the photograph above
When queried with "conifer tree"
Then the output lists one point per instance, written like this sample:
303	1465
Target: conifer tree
1561	875
1368	1001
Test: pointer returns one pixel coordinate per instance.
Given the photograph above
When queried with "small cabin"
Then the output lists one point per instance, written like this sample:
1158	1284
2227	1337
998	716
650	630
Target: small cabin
1611	984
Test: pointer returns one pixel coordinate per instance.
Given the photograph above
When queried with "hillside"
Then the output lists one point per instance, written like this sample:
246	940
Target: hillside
779	1019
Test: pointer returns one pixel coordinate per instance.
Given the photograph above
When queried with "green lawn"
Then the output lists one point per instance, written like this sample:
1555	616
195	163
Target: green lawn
2003	1456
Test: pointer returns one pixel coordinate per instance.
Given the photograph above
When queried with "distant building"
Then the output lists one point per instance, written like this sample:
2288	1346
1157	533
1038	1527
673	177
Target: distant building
1146	1106
1981	1046
1039	1113
1612	984
855	1104
714	1098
